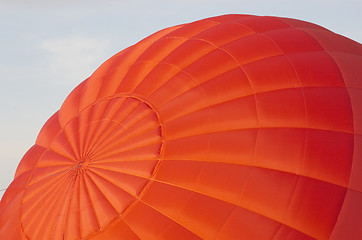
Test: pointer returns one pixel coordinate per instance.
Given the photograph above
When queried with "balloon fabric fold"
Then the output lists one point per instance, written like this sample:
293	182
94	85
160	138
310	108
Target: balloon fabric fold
230	127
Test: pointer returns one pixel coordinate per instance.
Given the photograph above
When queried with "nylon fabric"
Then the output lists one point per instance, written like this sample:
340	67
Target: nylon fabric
231	127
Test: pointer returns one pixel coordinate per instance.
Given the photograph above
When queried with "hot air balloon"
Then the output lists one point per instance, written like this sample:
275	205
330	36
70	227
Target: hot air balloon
231	127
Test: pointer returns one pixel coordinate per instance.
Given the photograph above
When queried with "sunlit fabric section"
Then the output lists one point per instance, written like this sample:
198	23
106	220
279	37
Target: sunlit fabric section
231	127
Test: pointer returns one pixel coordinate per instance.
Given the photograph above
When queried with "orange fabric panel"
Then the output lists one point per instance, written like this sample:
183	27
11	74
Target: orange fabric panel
355	181
201	214
328	156
116	231
231	32
269	23
50	129
15	189
29	160
10	226
245	51
219	180
293	40
326	109
335	42
315	207
229	147
278	73
271	151
349	65
232	127
156	225
356	102
273	112
349	221
70	106
313	68
248	225
277	189
286	233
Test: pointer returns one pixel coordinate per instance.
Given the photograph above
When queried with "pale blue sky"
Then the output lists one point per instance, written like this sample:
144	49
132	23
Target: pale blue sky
48	47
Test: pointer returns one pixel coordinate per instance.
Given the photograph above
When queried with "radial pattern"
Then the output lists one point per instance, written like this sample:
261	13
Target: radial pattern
94	169
232	127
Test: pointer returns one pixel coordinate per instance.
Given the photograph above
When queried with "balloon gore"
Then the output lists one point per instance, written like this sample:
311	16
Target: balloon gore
231	127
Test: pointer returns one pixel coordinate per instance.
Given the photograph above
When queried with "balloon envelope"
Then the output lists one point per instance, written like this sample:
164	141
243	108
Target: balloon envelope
231	127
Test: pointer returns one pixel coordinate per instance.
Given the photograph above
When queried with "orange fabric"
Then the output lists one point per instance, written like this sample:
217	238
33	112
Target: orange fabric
232	127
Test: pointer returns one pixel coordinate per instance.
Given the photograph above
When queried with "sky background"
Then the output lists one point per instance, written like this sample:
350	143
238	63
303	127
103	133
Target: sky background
48	47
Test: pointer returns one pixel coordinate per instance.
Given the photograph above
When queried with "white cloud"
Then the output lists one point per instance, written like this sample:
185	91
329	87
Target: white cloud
73	58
